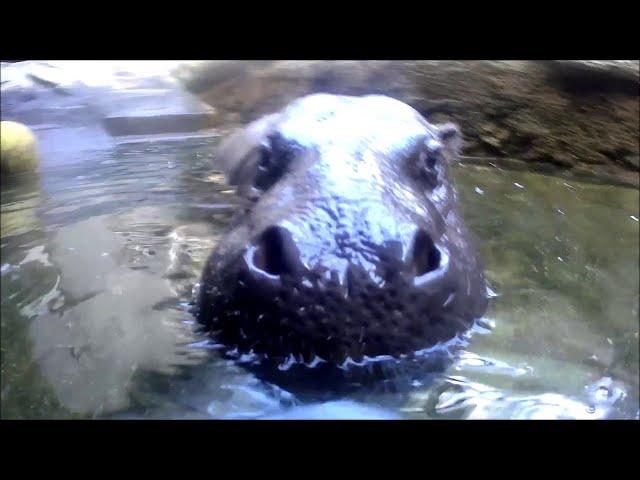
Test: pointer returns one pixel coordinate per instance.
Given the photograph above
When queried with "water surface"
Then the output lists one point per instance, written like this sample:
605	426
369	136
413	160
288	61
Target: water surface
100	257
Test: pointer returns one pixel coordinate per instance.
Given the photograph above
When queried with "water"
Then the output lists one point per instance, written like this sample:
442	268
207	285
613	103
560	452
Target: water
100	257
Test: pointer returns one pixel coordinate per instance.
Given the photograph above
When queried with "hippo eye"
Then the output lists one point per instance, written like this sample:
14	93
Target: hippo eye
264	161
432	154
428	161
273	159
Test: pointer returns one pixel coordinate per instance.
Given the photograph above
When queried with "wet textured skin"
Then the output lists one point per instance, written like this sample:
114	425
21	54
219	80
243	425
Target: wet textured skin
352	245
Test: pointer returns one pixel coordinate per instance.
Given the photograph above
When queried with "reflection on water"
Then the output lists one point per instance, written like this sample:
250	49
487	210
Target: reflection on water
100	257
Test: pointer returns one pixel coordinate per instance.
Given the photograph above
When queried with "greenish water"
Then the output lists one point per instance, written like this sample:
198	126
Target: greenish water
99	259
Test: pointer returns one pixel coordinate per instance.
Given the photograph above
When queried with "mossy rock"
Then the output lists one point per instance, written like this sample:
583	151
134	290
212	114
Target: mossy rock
577	116
18	150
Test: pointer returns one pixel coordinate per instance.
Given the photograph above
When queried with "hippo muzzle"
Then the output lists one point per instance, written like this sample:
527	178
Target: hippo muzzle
351	246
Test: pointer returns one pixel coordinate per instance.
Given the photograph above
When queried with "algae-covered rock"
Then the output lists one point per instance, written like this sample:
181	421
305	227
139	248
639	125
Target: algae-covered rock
18	150
578	116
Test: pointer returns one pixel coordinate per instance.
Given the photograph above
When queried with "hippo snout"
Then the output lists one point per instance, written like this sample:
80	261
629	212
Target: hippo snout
336	307
353	246
275	253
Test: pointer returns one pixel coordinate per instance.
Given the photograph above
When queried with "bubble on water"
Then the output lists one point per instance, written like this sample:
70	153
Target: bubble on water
606	392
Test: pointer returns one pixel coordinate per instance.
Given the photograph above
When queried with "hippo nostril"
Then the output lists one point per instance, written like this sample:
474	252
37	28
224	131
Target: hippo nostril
426	256
276	252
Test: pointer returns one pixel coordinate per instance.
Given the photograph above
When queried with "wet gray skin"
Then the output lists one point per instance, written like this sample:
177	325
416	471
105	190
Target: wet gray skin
351	246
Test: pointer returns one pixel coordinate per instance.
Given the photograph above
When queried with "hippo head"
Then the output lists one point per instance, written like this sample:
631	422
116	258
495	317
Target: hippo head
352	246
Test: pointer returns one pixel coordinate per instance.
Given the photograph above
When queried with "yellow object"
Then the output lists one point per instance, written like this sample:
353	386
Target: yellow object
18	152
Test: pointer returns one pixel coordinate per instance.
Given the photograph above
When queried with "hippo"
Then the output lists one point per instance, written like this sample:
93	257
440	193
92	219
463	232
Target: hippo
351	245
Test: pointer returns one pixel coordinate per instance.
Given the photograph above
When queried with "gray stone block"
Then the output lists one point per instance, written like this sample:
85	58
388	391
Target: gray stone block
154	111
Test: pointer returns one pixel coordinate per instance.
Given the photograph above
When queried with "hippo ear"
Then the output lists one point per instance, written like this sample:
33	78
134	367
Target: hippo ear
451	138
238	156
